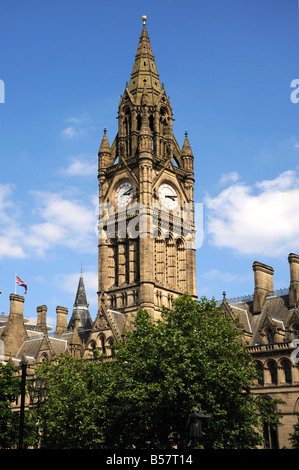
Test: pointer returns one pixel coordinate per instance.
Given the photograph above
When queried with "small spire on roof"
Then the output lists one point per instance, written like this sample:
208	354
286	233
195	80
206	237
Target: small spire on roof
105	147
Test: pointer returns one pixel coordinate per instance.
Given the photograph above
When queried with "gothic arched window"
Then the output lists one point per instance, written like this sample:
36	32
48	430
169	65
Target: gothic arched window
260	369
287	369
102	343
270	336
269	433
273	372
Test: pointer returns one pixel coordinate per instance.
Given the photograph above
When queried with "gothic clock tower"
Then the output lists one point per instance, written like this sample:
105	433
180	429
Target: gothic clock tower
146	181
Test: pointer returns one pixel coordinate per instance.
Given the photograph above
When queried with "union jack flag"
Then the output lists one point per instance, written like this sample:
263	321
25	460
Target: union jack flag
19	282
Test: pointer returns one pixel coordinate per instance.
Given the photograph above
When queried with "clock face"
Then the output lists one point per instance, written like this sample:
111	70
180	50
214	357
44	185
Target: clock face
168	196
124	194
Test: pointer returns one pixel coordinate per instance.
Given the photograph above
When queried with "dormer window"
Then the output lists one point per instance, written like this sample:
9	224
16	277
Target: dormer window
270	336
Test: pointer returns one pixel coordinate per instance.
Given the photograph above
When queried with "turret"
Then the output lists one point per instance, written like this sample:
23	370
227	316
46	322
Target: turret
187	155
104	153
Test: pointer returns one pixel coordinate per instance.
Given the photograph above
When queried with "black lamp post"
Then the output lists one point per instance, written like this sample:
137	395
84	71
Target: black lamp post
40	392
22	408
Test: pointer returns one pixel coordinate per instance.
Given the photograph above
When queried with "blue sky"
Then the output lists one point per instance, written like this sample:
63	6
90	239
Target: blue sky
227	67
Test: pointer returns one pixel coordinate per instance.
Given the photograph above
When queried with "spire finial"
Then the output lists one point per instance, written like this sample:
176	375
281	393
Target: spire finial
144	18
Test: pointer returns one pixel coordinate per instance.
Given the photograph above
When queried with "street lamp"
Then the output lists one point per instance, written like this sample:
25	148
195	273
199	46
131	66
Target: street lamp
39	390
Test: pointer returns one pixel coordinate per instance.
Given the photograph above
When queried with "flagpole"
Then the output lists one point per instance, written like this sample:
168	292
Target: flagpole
15	283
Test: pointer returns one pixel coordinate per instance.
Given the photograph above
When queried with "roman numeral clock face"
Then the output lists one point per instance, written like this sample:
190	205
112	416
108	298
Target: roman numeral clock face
123	194
168	196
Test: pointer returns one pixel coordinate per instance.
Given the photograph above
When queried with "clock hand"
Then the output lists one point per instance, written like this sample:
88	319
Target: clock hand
171	197
126	193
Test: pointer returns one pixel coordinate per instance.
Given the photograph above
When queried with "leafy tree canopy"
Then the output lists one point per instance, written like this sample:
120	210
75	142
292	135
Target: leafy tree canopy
9	420
192	357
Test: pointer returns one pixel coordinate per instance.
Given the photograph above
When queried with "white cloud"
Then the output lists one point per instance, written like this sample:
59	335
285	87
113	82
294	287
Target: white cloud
78	128
259	219
80	166
64	222
84	118
231	177
58	220
296	145
70	132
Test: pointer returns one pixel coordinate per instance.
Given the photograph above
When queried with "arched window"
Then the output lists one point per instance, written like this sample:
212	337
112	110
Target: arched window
171	262
270	336
273	372
287	369
110	342
44	357
260	369
102	343
181	265
269	432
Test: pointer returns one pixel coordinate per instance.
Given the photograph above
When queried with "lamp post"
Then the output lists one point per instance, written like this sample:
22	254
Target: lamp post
39	391
22	408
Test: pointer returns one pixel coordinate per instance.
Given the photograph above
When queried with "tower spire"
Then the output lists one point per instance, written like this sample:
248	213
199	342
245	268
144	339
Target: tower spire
144	73
81	309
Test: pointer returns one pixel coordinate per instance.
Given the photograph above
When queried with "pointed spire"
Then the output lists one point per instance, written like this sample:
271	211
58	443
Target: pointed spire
80	307
144	73
105	147
186	150
81	294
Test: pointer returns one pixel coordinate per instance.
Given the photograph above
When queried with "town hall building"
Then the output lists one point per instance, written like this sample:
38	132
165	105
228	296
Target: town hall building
146	255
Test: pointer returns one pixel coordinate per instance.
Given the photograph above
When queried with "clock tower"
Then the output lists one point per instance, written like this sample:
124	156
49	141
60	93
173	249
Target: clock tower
146	205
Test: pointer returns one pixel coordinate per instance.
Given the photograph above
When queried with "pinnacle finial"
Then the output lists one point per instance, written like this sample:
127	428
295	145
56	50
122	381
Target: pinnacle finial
144	18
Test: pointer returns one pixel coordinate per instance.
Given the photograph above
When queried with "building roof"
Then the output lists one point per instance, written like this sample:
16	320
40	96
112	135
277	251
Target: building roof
81	308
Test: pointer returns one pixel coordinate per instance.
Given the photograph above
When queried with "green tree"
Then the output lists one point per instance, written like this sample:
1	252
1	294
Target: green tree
74	413
9	420
192	357
294	436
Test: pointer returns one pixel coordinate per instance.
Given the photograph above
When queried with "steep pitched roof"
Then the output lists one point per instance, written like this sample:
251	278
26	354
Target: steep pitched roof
81	308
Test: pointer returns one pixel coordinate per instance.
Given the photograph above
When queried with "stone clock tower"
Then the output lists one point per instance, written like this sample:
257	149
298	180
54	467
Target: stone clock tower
146	219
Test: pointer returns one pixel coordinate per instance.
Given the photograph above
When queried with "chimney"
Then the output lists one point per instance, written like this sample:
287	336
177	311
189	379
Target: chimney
263	285
14	332
294	285
42	317
61	323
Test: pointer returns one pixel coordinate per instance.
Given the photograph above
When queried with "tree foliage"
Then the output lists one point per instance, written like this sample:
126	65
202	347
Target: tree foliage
294	436
192	357
9	420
